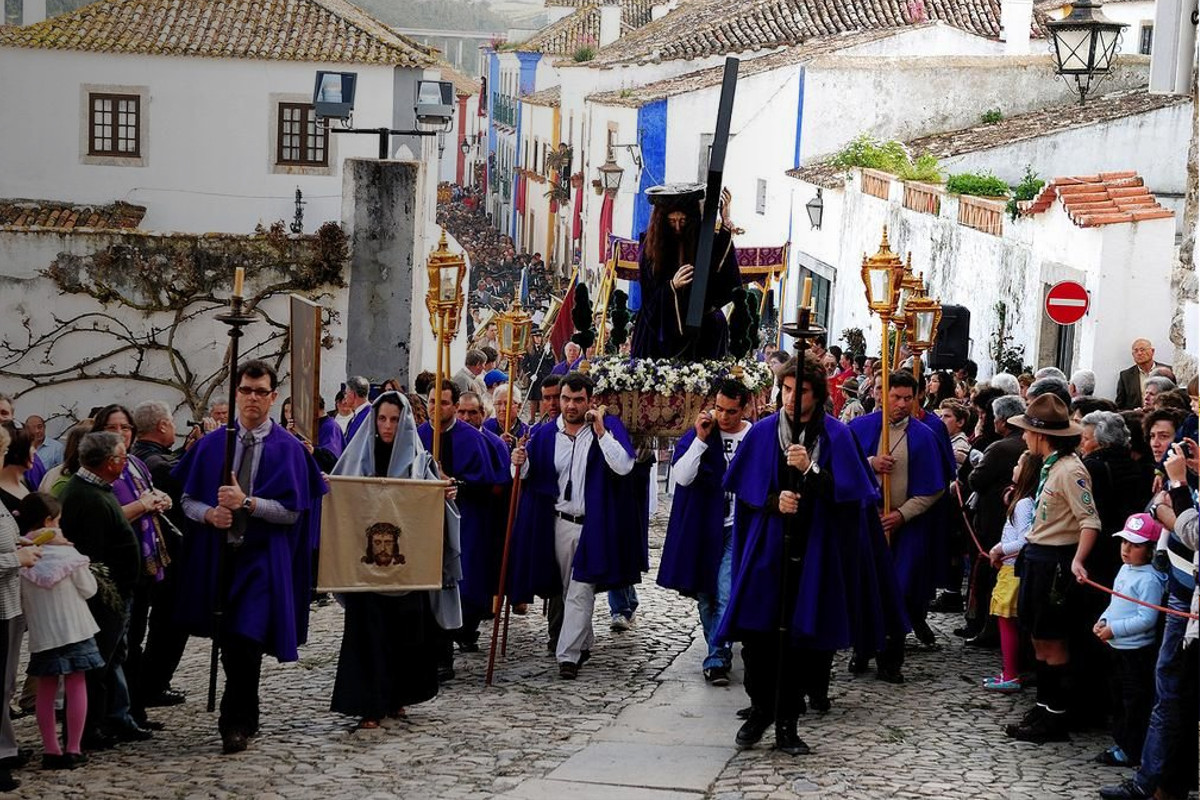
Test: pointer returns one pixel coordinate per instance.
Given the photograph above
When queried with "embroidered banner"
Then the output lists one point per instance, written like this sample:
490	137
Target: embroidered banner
381	535
757	263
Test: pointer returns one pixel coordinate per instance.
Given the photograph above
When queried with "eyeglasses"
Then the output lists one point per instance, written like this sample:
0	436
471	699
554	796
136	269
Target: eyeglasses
246	391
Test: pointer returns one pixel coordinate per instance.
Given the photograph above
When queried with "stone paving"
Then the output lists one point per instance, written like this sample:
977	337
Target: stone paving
638	723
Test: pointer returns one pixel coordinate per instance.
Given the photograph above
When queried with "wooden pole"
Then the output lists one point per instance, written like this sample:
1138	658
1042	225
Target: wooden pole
498	601
436	412
885	431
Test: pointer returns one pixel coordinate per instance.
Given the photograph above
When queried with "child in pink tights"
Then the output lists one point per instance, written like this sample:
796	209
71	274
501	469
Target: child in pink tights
1004	557
53	597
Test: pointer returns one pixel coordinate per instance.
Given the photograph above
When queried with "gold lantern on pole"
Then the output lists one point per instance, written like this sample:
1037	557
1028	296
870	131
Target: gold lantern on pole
923	317
444	301
882	275
513	327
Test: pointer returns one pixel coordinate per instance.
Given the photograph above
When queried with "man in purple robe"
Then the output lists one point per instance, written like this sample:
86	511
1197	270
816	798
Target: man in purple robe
582	522
822	486
697	555
249	551
467	458
495	424
572	355
918	479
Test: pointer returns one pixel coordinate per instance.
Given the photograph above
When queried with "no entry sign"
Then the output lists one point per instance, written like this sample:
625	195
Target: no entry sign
1067	302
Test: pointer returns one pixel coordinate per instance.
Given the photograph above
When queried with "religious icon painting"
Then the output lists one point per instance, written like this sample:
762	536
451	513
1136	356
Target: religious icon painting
381	535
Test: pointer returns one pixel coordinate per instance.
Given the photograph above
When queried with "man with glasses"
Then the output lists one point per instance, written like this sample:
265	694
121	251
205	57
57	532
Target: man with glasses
1131	383
92	518
249	555
697	555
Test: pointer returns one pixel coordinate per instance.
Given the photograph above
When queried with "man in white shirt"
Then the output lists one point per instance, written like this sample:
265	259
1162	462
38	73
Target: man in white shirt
575	472
697	556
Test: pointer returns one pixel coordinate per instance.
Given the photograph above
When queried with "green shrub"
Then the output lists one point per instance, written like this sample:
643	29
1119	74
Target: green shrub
585	53
975	184
1027	189
991	116
890	156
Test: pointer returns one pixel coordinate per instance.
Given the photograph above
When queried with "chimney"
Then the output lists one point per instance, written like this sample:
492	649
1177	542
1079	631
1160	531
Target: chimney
1016	18
610	24
32	11
662	9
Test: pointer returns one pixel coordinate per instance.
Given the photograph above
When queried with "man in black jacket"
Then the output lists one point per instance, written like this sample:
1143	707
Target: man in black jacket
93	520
150	671
1131	383
989	480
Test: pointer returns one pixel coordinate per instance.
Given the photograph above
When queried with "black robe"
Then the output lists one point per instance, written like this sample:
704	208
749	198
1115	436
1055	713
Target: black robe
660	330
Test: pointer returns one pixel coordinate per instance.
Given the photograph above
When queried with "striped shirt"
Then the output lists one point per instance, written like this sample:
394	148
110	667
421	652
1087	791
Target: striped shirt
10	579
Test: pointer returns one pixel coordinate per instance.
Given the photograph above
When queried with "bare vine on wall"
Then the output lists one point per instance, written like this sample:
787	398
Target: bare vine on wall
157	296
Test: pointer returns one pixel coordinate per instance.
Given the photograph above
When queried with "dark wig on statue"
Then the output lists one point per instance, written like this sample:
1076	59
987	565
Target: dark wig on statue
666	251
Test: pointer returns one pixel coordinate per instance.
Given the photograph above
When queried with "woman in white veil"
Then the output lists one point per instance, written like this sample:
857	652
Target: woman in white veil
389	652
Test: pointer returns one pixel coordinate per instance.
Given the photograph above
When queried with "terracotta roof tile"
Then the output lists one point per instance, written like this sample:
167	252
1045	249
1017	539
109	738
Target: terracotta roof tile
704	28
702	79
464	85
1094	200
634	13
53	214
551	97
580	28
324	31
1098	110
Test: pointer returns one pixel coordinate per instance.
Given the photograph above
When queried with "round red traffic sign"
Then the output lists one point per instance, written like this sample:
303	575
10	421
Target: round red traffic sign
1067	302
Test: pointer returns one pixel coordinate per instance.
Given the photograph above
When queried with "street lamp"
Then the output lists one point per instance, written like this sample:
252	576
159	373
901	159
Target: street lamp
816	210
882	275
465	147
513	328
610	174
1084	44
924	316
444	301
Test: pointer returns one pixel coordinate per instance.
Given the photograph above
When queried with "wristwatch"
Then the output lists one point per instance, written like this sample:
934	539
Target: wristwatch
247	503
814	468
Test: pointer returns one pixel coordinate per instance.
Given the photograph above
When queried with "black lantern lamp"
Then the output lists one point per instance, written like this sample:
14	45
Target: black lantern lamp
610	174
816	210
1085	44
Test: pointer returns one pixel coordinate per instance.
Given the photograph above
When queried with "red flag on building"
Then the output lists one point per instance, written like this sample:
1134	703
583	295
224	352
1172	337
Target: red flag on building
560	334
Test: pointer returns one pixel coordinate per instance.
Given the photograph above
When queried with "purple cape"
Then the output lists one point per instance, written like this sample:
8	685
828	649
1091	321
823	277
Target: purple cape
271	571
913	542
612	551
945	572
355	422
519	428
695	542
842	598
33	476
562	367
473	461
329	436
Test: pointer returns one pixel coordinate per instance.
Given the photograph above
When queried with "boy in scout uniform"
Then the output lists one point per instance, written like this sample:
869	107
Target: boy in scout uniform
1065	527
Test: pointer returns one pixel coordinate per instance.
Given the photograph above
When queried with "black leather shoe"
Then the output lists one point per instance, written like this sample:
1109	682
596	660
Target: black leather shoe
787	740
130	733
984	639
233	742
821	705
98	741
167	697
753	728
7	782
1128	789
568	671
889	675
63	760
22	758
1046	727
967	631
947	602
584	657
744	713
924	633
859	664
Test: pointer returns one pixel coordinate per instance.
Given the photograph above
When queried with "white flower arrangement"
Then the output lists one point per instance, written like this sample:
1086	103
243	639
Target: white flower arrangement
665	376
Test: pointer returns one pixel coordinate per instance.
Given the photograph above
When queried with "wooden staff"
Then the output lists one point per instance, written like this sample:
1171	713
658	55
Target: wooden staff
436	411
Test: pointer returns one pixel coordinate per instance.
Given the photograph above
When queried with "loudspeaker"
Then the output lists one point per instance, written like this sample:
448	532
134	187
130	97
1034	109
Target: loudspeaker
954	332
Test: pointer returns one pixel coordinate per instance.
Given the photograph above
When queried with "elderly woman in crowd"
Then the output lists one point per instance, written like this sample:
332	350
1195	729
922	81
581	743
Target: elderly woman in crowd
1155	386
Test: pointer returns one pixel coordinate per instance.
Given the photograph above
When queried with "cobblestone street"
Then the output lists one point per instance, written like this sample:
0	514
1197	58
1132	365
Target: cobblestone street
638	723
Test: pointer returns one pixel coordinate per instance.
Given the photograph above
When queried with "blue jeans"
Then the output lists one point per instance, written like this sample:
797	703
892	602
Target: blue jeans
1166	736
720	655
623	602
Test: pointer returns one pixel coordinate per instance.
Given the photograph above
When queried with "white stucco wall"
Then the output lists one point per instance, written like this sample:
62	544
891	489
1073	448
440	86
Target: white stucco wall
1116	145
903	97
210	152
1125	267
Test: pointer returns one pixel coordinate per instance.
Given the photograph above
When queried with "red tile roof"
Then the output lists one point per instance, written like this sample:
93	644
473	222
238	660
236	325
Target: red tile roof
319	31
1103	199
52	214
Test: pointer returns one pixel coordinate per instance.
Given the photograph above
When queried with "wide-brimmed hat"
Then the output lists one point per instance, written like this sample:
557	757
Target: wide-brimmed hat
850	386
1047	415
675	195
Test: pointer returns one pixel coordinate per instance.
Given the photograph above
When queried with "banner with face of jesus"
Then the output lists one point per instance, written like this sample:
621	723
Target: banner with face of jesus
381	535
